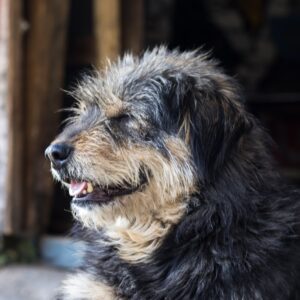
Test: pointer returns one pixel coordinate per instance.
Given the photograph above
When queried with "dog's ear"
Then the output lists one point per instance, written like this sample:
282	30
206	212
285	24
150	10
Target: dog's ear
210	118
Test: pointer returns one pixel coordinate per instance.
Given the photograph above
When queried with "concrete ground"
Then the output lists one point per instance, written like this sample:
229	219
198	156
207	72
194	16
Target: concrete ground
30	282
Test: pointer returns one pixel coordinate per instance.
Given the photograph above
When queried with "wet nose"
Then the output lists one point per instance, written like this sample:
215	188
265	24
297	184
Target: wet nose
58	154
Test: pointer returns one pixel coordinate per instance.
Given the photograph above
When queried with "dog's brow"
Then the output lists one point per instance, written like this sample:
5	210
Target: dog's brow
114	109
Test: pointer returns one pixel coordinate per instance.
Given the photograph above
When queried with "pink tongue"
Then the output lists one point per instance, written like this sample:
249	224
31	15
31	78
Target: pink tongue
77	188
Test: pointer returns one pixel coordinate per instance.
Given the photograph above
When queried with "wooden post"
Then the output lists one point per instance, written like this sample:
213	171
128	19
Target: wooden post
15	104
107	26
44	65
133	25
30	85
11	117
4	30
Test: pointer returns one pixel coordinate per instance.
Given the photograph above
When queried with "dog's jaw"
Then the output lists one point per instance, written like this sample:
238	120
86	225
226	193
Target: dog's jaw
136	223
85	193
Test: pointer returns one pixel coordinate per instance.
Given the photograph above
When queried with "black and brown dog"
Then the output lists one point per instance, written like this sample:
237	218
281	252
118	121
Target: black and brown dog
173	187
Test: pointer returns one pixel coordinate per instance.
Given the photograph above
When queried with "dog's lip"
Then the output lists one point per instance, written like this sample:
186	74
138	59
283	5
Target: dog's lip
104	195
85	192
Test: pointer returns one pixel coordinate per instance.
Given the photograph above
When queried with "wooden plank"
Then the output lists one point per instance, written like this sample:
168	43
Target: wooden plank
44	65
107	26
4	30
133	26
15	105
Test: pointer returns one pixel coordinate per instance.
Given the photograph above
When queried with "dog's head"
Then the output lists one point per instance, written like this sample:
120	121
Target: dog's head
147	133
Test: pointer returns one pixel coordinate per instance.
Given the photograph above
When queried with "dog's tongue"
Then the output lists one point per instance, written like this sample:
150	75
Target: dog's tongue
77	188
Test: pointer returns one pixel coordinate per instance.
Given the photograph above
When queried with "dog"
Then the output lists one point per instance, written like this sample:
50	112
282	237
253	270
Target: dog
175	193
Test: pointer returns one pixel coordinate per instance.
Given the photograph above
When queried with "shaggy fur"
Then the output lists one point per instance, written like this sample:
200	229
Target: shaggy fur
201	212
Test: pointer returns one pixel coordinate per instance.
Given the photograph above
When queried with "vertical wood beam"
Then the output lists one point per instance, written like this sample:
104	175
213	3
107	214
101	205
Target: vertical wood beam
15	179
44	66
11	115
133	26
4	35
107	27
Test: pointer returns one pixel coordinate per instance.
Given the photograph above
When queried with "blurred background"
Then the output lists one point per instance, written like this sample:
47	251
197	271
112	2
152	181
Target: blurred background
45	46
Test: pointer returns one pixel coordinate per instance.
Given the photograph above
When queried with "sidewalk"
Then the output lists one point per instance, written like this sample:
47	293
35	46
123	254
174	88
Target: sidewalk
32	282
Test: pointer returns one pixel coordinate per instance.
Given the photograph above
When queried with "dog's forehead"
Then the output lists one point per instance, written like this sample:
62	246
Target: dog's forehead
137	83
133	78
115	95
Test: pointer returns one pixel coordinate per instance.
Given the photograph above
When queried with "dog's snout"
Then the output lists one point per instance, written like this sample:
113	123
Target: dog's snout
59	153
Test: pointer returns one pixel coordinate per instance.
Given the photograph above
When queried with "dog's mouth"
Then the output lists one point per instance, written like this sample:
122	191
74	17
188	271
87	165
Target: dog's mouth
85	192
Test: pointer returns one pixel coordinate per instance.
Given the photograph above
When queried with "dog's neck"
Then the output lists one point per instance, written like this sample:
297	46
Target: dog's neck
136	224
139	231
137	240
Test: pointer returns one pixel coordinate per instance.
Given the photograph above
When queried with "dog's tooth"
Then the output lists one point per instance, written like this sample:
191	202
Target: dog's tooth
84	192
89	187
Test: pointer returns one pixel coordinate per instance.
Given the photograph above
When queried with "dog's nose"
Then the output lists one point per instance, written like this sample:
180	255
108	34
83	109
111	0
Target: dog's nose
58	154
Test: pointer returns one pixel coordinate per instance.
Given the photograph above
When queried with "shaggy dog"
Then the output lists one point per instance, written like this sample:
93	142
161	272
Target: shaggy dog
174	190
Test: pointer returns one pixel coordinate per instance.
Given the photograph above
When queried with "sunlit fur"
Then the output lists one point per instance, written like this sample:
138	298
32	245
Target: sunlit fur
84	286
213	219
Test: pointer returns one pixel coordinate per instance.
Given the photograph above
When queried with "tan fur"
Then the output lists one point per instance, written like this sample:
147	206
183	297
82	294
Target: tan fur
82	286
136	241
137	223
185	127
112	111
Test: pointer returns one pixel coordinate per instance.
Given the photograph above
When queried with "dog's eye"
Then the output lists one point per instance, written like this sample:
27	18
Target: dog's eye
123	118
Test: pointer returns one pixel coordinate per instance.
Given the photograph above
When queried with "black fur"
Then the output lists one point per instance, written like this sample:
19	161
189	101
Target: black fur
239	238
